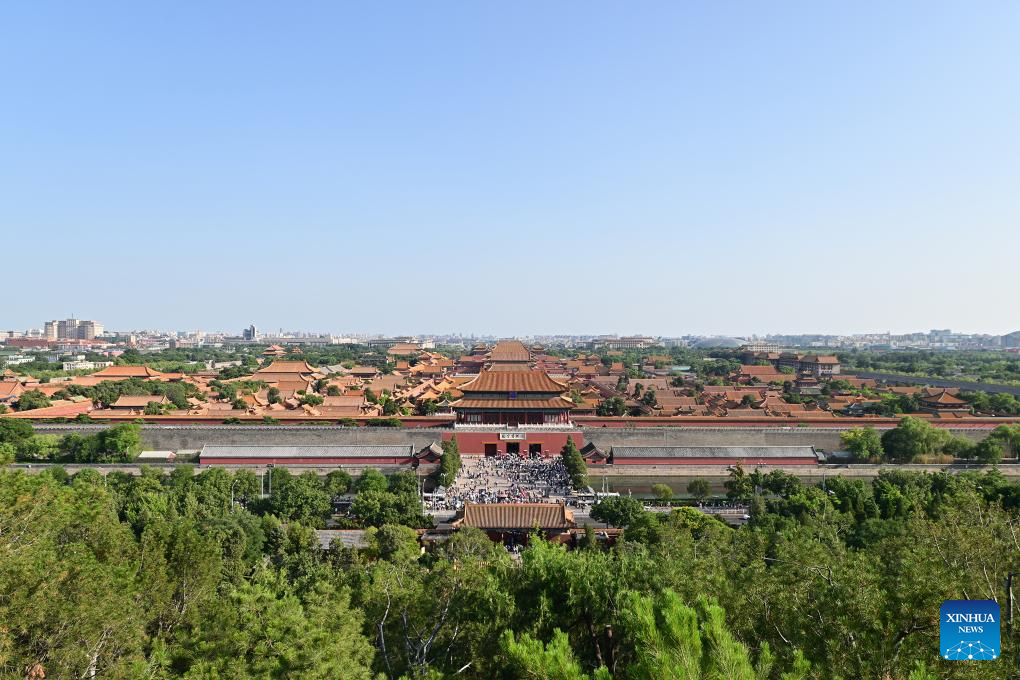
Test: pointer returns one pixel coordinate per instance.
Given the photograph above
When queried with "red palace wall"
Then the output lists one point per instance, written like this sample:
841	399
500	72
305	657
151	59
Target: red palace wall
473	443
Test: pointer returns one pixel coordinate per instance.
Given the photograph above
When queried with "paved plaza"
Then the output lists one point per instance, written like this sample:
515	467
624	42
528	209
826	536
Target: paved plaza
510	478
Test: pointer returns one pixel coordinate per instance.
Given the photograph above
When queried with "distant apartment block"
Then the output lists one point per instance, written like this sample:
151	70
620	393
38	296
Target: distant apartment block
627	342
72	329
80	364
760	346
402	340
14	359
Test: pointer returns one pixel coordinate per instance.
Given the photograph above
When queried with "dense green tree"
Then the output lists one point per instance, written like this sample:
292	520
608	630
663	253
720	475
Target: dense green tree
116	444
1009	437
393	543
41	447
613	406
376	508
121	442
32	399
15	431
246	486
263	630
301	499
178	394
912	438
958	447
699	488
740	485
28	446
8	452
404	482
437	616
1005	404
673	640
311	399
618	511
863	443
158	575
852	496
662	492
989	451
472	545
371	480
68	598
337	483
529	659
185	562
426	407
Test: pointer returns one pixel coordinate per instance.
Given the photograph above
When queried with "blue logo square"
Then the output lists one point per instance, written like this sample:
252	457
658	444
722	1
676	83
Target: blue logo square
969	630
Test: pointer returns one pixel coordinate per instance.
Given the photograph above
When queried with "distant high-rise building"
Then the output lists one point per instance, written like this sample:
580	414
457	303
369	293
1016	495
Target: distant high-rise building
89	330
251	334
72	329
67	329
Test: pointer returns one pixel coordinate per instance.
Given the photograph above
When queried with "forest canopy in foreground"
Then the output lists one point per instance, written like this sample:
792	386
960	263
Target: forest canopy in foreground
159	577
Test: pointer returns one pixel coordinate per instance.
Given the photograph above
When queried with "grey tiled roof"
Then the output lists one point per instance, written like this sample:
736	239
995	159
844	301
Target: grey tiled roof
348	451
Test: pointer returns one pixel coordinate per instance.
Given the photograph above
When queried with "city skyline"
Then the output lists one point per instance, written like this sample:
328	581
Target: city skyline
280	331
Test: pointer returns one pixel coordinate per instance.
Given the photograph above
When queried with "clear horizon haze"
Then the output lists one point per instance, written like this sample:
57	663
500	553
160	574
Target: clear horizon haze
512	168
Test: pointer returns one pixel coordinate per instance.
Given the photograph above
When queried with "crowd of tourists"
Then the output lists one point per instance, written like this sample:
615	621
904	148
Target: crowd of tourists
512	478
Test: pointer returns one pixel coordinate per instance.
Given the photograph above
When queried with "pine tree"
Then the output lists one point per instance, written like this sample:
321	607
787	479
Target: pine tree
449	464
575	465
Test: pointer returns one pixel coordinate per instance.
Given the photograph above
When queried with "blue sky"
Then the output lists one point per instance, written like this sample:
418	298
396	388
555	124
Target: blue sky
512	168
